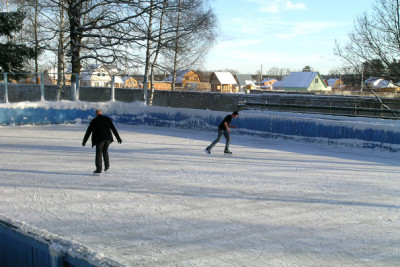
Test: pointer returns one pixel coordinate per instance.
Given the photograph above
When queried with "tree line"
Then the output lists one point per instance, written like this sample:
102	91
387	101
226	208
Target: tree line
164	36
154	35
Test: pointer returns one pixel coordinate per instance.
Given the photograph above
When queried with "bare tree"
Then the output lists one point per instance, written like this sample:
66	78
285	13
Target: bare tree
176	44
33	14
154	33
134	33
278	72
98	29
61	52
157	50
195	25
148	49
175	32
375	36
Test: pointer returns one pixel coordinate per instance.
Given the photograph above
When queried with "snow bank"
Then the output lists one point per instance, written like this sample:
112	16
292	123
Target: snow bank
360	132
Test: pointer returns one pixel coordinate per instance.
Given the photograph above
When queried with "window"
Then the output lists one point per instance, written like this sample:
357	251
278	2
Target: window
316	80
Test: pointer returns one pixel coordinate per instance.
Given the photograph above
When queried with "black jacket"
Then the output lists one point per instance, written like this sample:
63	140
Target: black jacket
228	120
100	128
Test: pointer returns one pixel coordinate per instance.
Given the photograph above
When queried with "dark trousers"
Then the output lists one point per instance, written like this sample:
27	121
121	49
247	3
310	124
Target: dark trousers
227	137
102	153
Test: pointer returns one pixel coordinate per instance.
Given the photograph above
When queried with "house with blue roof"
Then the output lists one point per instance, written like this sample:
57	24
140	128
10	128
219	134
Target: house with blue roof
302	81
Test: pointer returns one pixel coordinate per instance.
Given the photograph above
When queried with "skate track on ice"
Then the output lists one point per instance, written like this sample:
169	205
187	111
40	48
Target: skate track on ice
166	203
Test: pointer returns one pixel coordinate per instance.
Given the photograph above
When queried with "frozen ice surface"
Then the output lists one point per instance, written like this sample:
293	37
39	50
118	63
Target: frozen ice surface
166	203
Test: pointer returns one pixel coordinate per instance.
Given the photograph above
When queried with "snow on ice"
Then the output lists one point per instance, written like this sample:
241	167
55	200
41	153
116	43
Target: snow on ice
166	203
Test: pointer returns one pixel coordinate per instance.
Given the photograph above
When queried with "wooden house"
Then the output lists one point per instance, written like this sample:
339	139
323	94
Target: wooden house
302	81
130	82
223	82
184	77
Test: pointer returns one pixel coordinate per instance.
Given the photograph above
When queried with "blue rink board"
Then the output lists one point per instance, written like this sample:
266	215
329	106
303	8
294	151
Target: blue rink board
267	126
21	250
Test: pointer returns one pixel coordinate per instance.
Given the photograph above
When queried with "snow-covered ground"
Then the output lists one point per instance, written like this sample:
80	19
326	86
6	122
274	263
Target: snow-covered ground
166	203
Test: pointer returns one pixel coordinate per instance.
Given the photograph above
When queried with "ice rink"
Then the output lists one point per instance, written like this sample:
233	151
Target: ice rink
275	202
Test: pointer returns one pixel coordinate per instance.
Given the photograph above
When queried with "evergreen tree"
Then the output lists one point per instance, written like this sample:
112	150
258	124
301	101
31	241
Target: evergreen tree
374	68
13	56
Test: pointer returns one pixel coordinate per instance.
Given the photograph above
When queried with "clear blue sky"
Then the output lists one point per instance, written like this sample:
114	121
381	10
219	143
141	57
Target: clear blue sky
280	33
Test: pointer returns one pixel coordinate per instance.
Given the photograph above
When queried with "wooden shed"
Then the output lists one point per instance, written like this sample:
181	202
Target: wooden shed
130	82
223	82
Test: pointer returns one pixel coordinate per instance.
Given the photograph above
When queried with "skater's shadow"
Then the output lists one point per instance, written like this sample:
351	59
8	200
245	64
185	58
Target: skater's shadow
44	172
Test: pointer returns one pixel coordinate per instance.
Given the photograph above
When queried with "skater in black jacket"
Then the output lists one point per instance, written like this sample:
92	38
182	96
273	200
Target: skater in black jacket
223	129
100	128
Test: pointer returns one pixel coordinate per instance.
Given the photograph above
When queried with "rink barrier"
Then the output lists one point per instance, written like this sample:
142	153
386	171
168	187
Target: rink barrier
274	127
311	129
17	249
20	116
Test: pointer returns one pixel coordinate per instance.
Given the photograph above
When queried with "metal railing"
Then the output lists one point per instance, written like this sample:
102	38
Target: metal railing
355	111
37	78
111	81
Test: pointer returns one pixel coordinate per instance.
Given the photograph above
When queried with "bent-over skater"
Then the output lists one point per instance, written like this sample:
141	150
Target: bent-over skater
100	128
224	129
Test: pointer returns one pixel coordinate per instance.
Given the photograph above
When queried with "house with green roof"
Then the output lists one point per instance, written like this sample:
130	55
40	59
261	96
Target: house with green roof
302	81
